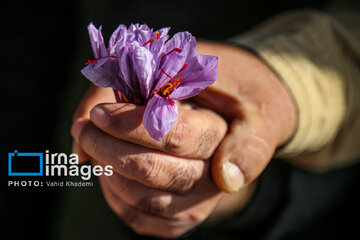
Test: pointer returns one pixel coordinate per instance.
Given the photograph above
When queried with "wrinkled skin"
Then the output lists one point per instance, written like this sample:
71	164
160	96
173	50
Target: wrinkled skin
166	188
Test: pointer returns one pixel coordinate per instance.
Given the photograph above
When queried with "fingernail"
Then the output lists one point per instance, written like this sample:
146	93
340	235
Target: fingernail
99	115
233	176
78	127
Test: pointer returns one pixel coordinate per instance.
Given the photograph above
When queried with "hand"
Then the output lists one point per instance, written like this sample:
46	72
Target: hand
250	96
115	135
156	193
260	110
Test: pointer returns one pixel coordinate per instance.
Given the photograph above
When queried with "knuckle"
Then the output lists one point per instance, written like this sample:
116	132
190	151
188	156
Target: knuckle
174	141
145	166
197	217
156	170
158	206
207	142
186	140
182	180
149	167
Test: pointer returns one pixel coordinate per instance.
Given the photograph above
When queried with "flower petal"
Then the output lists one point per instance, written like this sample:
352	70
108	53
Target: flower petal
156	47
184	41
101	73
97	41
140	33
98	74
144	27
159	117
144	67
142	36
117	39
163	31
125	70
133	27
199	74
172	63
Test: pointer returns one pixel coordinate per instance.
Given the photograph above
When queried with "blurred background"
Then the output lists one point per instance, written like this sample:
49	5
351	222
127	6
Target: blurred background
44	46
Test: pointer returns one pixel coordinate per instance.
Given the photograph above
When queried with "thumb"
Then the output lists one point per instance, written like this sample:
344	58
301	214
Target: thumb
241	156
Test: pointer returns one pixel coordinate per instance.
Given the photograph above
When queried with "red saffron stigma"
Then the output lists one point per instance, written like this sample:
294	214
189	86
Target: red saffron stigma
185	65
168	75
157	35
94	60
150	41
155	92
168	88
174	50
170	101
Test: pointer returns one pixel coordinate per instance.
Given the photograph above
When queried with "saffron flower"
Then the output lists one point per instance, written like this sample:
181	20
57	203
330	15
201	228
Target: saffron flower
147	68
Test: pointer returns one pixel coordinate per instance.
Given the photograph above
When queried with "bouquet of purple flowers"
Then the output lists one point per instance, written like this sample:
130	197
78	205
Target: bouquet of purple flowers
147	68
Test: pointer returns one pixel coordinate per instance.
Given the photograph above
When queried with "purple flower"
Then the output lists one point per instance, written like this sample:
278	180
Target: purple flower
145	68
